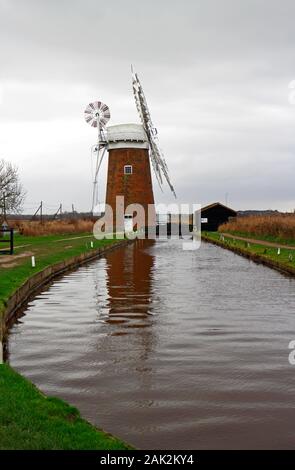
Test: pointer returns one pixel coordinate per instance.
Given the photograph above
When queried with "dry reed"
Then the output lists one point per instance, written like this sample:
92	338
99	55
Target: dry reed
52	227
278	225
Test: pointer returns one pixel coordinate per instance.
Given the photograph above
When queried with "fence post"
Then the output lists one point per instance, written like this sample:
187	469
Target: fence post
11	241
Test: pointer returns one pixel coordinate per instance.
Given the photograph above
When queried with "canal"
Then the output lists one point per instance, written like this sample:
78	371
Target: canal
168	349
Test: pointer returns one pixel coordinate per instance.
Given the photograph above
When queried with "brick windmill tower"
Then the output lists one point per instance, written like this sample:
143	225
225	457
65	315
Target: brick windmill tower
129	173
131	148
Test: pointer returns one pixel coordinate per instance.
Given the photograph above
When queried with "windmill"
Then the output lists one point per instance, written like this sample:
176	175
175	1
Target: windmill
97	114
156	155
131	148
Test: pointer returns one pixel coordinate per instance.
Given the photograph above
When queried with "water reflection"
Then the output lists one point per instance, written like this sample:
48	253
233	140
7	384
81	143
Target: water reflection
129	283
127	306
168	349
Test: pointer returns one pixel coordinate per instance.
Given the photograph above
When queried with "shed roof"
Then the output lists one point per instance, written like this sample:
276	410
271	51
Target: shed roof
214	204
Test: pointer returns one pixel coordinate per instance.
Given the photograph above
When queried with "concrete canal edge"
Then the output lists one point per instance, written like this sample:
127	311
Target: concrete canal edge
27	290
257	258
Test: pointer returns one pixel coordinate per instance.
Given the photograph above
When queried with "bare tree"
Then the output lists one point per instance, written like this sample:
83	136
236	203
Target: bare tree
12	193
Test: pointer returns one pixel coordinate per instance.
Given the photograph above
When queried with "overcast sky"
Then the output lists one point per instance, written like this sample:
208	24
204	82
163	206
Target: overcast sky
215	74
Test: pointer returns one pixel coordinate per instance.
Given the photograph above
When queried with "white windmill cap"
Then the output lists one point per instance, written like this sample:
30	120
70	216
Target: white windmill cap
127	135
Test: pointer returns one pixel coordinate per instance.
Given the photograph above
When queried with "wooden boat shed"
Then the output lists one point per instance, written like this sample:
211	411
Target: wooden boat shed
214	215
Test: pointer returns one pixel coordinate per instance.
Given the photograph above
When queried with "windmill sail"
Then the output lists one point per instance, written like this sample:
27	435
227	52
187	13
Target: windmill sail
156	155
97	114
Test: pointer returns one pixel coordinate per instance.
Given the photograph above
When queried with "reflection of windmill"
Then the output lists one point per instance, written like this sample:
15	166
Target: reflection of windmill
97	114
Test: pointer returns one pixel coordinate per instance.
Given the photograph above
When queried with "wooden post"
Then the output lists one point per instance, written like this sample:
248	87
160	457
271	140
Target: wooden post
3	217
1	347
11	241
4	207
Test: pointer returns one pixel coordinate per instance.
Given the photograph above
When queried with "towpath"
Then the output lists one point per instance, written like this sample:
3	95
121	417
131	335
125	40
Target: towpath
259	242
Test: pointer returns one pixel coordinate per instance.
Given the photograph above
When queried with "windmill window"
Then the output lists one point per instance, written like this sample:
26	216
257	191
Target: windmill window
128	170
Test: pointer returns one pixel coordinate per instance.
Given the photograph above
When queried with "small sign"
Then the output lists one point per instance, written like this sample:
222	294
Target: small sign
204	220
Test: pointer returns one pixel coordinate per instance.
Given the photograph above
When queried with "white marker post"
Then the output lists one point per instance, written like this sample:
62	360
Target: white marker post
33	262
279	251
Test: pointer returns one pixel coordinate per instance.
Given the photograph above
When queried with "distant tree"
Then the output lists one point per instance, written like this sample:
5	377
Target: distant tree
12	193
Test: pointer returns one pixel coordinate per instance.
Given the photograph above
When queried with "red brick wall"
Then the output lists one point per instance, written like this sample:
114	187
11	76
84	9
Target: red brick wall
137	187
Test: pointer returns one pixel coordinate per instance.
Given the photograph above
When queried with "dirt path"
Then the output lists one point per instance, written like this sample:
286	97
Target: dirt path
9	261
259	242
72	238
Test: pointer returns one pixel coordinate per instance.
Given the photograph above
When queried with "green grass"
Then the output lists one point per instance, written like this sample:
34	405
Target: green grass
267	238
47	250
259	251
30	420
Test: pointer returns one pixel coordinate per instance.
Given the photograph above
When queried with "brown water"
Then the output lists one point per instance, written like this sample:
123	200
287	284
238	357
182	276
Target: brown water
167	348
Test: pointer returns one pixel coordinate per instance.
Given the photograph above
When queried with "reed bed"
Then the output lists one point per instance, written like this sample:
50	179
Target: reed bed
53	227
278	225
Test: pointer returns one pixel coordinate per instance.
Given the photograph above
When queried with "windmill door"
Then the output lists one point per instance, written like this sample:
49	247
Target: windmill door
128	223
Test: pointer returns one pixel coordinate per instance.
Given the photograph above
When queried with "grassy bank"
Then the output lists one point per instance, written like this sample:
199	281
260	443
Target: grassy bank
48	250
267	238
29	419
285	261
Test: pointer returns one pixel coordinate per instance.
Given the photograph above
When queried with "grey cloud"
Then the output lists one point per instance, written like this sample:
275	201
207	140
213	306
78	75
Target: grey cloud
215	73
